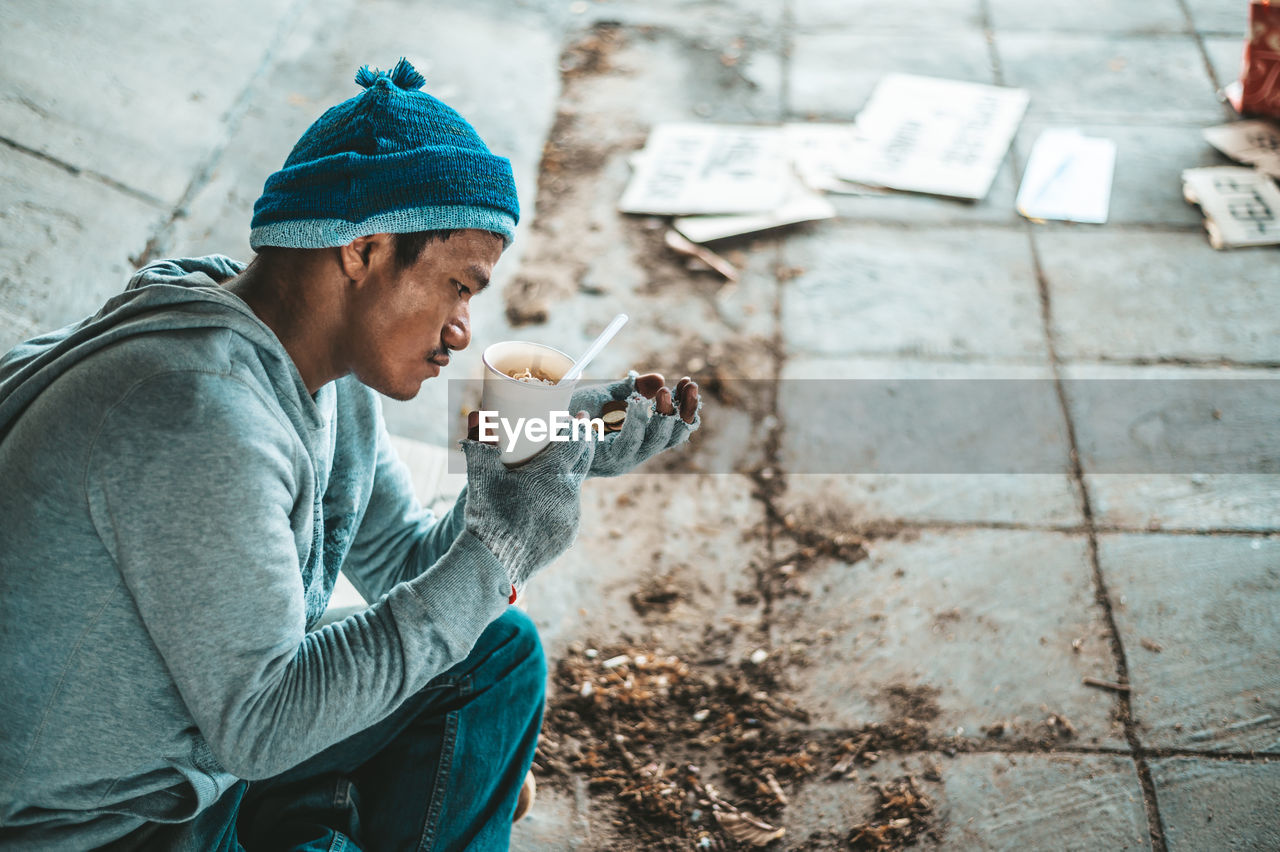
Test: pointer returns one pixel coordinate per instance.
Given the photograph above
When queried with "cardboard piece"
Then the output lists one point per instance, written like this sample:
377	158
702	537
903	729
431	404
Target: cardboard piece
801	205
819	151
683	246
1068	178
1241	206
942	137
1255	143
689	168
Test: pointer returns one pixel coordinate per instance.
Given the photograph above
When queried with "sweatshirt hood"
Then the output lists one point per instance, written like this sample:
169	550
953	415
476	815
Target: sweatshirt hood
187	272
166	295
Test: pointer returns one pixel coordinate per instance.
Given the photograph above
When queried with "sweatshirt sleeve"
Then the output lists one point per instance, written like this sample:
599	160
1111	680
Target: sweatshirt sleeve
193	486
397	539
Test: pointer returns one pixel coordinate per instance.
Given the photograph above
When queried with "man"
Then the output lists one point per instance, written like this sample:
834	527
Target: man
186	471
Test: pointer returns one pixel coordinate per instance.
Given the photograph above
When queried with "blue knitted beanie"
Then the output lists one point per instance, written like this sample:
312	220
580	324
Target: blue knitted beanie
392	160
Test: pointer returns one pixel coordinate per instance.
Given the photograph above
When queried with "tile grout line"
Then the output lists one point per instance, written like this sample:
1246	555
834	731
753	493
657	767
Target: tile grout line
889	526
77	171
982	360
230	122
1102	595
1199	40
1014	224
1155	826
786	48
769	481
978	746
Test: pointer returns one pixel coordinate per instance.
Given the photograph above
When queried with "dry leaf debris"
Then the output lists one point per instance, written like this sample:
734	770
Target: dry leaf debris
903	817
641	723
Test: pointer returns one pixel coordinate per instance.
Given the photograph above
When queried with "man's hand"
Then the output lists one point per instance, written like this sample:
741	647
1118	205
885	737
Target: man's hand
656	420
527	515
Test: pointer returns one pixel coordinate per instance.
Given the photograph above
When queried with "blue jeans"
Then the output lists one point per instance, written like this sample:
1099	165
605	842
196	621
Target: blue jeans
442	772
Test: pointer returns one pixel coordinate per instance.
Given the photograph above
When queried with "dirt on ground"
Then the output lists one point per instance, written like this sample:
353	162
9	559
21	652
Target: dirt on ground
685	750
690	747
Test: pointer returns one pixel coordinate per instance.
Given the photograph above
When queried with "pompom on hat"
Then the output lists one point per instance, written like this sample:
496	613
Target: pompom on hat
392	159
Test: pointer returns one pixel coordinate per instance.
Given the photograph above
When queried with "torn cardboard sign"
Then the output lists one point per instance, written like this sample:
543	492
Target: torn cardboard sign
688	169
1068	178
1241	206
1255	143
942	137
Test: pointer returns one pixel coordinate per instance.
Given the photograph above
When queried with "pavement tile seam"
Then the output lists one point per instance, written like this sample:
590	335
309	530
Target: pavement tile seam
1211	71
1064	750
227	125
1133	228
909	525
1127	228
1210	532
1172	361
1200	34
1103	601
1123	698
76	171
786	49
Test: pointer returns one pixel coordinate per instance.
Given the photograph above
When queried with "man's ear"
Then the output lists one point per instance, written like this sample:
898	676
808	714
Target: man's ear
364	254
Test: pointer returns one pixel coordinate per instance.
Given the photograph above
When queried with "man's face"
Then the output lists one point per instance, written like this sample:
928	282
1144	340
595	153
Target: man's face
404	322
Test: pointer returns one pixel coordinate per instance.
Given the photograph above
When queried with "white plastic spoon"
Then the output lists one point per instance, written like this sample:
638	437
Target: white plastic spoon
575	372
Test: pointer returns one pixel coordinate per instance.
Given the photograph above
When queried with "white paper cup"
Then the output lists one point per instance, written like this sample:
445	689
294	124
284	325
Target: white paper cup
513	399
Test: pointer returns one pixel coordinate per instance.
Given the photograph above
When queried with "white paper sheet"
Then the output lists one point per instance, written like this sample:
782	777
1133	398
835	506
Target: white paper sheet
1068	178
942	137
819	151
708	168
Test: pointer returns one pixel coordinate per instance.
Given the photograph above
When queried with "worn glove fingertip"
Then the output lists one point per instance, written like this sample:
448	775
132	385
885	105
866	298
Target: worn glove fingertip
697	417
639	404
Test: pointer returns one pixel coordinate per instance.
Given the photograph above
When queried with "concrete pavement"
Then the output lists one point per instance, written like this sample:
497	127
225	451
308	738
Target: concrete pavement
143	129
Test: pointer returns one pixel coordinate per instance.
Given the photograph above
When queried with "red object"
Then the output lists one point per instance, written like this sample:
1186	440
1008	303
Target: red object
512	599
1260	76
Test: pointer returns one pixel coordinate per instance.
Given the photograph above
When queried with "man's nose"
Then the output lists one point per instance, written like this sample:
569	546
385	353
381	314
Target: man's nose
457	331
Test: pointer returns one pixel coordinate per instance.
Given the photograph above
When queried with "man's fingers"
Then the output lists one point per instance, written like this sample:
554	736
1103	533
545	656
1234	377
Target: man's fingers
663	402
473	429
649	384
685	397
688	396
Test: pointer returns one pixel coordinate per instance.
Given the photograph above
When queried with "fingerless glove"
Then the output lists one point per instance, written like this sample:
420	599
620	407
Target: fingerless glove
527	515
644	433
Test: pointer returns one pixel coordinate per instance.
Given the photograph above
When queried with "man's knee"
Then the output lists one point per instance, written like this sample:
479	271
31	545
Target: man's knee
517	650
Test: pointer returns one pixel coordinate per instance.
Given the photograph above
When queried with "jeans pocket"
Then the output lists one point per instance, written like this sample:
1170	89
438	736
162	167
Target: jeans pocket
440	786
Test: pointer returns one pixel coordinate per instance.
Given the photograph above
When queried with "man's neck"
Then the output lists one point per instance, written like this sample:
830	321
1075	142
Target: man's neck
293	301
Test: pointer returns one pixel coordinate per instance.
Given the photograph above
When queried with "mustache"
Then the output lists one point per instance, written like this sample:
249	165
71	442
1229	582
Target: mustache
439	354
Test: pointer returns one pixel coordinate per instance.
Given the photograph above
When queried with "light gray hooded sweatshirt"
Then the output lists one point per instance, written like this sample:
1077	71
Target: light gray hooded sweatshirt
174	509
